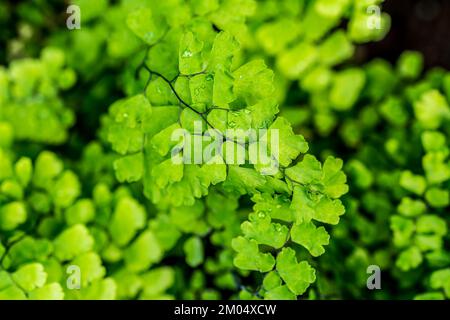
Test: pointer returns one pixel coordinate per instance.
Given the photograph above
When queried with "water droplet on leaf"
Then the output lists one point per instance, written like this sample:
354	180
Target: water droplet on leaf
186	54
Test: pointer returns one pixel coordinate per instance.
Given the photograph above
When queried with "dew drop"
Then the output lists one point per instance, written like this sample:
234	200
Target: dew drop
261	215
149	36
187	54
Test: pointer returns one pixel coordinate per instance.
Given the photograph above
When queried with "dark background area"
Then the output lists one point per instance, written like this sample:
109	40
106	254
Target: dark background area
422	25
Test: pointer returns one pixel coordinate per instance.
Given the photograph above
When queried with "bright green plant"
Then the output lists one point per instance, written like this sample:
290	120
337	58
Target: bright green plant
202	84
189	73
102	198
30	97
305	40
396	133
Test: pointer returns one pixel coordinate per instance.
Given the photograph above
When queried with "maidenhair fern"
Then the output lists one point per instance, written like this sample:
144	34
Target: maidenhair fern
207	86
160	152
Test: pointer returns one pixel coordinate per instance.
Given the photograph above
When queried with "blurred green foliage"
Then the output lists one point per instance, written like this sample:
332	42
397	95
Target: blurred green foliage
92	208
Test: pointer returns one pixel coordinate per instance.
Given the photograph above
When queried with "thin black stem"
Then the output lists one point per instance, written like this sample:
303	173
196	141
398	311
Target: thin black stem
184	103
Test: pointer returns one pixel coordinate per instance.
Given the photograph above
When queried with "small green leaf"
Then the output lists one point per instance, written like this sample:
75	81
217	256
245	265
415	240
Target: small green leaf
190	56
128	217
145	25
271	281
298	276
413	183
30	276
248	256
72	242
91	268
129	168
409	259
411	208
441	279
143	252
432	109
260	228
51	291
310	237
193	248
403	230
437	198
410	64
333	178
279	293
12	215
347	86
